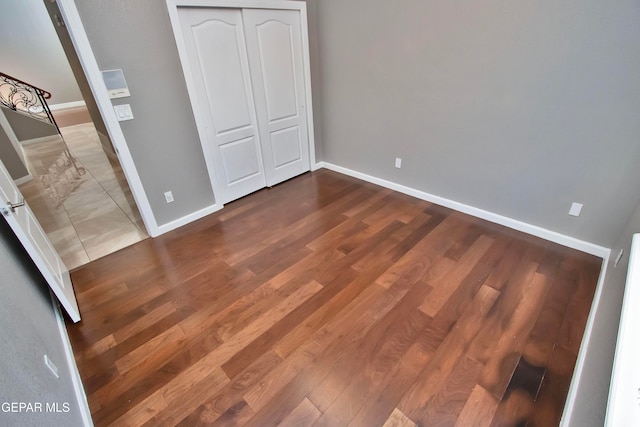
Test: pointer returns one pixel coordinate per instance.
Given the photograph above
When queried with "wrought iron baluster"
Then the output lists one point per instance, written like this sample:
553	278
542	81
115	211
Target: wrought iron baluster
25	98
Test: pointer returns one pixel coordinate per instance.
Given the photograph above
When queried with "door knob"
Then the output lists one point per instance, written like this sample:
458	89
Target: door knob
13	206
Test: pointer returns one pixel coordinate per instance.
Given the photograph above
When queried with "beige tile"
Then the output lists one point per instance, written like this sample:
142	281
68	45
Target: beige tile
65	188
51	218
45	200
53	223
79	202
111	241
76	258
103	223
102	174
143	230
69	247
126	202
46	156
80	197
117	184
65	235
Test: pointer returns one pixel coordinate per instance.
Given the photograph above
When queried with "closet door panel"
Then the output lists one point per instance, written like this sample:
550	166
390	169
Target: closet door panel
274	47
240	160
277	69
285	146
215	44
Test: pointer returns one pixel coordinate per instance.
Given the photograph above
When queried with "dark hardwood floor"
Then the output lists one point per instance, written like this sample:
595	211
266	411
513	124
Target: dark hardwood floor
328	301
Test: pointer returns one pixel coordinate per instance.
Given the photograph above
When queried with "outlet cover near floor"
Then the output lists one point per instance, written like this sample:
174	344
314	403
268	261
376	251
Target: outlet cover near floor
575	210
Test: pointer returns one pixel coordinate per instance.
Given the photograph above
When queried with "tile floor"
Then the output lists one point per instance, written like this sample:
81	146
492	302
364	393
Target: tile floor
80	197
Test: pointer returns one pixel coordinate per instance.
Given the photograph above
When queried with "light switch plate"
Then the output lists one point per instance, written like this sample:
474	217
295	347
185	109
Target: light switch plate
123	112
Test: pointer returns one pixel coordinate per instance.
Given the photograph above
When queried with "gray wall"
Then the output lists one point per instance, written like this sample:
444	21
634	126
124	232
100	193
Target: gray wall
80	78
29	330
593	391
518	108
10	157
26	127
30	50
137	37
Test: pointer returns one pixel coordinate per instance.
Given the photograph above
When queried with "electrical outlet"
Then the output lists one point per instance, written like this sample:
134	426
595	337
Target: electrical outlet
168	196
52	367
398	162
575	209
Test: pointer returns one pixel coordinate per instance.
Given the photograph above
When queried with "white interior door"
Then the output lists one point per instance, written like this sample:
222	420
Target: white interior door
215	45
25	225
274	46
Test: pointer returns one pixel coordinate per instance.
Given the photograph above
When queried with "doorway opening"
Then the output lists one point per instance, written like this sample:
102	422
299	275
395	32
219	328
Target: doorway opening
78	190
80	196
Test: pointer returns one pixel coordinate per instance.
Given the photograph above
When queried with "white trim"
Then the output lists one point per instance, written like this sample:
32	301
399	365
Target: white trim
40	139
78	388
66	105
82	46
534	230
623	404
569	404
306	58
241	4
172	7
23	180
189	218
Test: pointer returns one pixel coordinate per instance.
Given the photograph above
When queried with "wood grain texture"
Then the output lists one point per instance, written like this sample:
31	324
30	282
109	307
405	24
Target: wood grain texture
478	409
305	414
328	301
398	419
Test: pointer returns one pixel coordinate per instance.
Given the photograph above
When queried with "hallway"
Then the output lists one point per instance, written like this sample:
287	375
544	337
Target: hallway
80	197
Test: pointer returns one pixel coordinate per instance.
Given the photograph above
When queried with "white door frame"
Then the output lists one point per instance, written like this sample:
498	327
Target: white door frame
90	66
172	6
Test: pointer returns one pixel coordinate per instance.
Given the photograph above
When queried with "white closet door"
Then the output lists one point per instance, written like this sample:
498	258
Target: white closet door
274	46
215	44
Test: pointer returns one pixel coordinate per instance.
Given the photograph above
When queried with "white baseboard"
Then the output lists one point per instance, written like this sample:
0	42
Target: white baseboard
515	224
569	404
81	395
164	228
22	180
40	139
66	105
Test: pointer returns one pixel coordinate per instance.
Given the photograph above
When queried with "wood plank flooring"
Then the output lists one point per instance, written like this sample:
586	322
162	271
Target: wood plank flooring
327	301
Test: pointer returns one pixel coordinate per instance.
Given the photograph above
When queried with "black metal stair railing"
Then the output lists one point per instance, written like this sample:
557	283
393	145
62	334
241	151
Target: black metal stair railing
25	98
64	174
